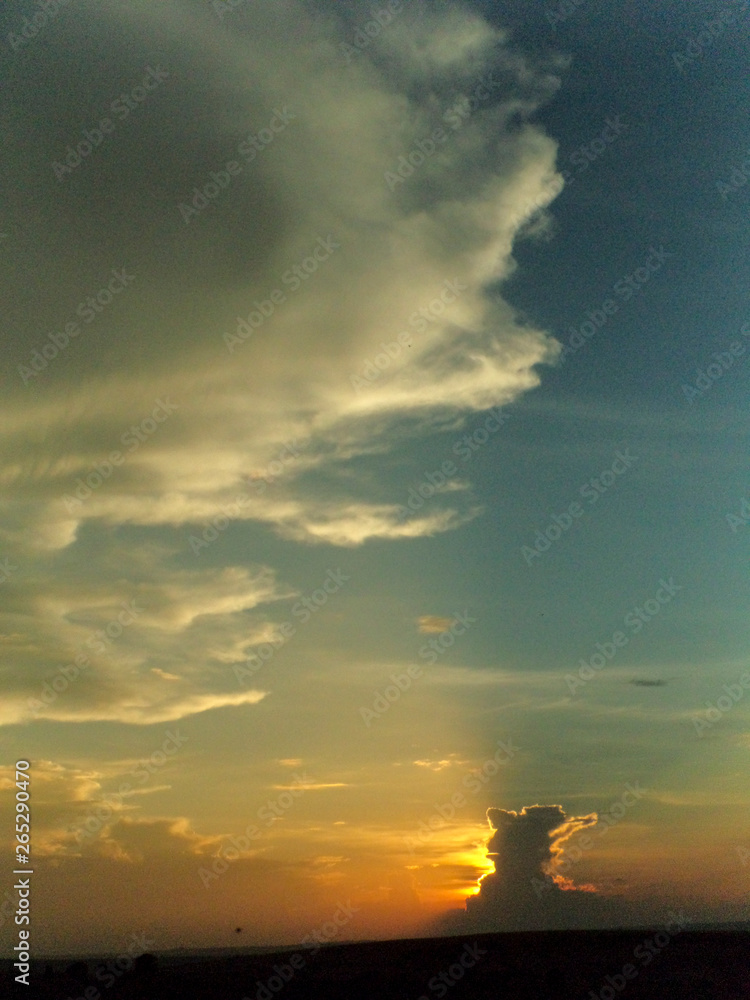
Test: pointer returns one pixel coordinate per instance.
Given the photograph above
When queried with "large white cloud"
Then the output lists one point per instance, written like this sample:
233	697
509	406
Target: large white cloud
155	415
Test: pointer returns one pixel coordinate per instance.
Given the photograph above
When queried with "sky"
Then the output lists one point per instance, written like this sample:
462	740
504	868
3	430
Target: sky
374	521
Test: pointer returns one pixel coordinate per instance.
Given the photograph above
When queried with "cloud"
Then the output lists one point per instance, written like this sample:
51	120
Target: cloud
434	624
439	765
525	844
351	524
132	420
164	675
66	796
525	891
320	182
128	839
130	637
311	786
638	682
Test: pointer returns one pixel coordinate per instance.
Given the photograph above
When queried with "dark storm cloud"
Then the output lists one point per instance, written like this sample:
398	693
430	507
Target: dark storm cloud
524	892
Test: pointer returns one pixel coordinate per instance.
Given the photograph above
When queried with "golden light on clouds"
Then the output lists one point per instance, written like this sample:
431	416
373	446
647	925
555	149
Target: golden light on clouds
434	624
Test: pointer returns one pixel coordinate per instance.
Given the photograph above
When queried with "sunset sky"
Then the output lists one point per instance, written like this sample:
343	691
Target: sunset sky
374	455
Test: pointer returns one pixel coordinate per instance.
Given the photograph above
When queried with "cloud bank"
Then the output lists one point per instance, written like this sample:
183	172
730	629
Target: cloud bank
238	239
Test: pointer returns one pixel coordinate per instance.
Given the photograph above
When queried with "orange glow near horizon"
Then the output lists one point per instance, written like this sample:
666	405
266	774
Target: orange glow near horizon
476	864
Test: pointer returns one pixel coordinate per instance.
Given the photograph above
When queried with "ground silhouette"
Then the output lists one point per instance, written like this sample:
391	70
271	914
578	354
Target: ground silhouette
558	965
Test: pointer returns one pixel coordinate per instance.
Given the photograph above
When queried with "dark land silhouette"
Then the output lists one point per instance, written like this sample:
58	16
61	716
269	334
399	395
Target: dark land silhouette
554	965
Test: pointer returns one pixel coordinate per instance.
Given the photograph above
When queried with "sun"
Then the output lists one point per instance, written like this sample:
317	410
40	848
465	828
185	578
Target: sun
475	863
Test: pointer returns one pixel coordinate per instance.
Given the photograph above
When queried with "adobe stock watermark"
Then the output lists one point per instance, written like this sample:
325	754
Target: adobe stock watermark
103	637
330	929
455	118
741	519
466	960
218	523
431	313
303	609
524	216
285	457
588	152
369	30
391	694
7	569
227	854
634	620
574	849
725	703
432	483
645	952
707	377
31	26
695	47
430	651
120	109
626	288
436	646
284	971
219	180
457	115
737	179
98	642
134	437
562	11
88	309
475	781
272	810
591	490
223	7
111	804
110	971
293	278
466	447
